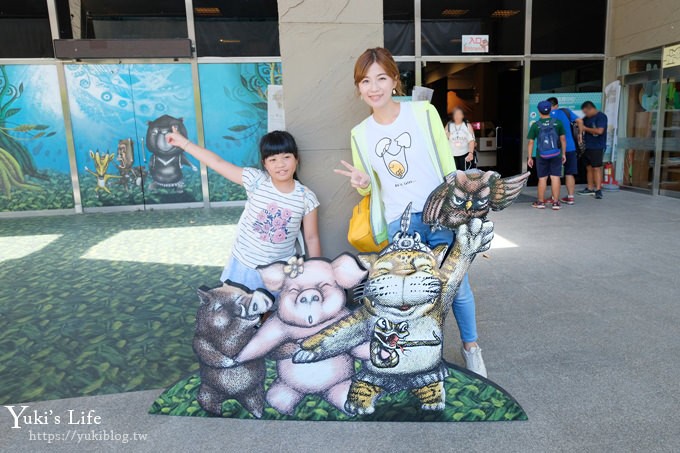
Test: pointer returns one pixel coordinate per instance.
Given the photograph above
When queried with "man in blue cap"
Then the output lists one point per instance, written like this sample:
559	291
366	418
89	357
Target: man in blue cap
551	153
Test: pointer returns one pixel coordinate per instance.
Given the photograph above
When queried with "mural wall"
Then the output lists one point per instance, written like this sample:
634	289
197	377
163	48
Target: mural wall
234	105
120	115
34	166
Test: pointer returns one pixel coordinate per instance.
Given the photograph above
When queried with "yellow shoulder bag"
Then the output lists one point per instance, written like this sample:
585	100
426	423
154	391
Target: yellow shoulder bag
360	234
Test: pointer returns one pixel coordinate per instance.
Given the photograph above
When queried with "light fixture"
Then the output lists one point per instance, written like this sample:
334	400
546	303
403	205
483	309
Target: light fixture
207	11
504	13
229	41
454	12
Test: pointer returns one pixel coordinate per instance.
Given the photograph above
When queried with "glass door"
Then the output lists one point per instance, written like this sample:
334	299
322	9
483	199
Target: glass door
163	96
120	115
234	99
669	182
641	102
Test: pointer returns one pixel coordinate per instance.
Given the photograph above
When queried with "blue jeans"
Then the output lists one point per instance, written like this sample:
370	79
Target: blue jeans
464	302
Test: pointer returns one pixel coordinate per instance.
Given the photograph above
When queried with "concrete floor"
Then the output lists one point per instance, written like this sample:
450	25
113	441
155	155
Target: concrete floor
578	321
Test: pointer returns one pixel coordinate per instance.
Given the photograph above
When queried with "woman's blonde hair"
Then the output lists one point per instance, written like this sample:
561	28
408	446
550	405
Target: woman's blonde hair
384	59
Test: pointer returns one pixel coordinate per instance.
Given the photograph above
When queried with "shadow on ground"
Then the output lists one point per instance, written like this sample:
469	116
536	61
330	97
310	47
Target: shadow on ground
73	326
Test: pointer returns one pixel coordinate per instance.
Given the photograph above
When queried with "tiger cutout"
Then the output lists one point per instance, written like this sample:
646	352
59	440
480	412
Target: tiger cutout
409	287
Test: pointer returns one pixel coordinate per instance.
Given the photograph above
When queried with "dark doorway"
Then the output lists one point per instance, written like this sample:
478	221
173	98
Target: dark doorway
491	96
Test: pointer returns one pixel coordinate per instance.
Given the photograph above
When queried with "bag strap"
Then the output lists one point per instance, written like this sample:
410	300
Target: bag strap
567	113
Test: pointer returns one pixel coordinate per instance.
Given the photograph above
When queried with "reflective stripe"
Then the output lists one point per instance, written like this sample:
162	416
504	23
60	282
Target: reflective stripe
434	147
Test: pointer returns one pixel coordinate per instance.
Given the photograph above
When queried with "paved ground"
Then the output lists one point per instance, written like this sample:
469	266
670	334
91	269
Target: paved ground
579	322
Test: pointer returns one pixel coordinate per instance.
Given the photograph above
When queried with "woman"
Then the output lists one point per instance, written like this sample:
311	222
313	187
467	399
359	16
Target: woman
461	139
401	154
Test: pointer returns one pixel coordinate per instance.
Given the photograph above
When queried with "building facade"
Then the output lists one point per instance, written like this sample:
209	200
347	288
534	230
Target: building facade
645	57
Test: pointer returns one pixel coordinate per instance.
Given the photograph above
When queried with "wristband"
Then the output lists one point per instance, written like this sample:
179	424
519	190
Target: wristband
184	146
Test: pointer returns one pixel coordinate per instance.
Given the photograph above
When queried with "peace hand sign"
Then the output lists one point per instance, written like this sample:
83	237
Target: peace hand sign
357	178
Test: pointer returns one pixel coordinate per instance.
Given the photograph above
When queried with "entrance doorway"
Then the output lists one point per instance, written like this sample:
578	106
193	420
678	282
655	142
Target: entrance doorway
490	94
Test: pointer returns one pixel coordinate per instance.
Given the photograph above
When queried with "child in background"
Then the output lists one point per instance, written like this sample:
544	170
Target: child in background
277	208
551	150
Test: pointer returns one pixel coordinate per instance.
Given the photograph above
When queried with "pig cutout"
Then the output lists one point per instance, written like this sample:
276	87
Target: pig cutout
311	297
226	320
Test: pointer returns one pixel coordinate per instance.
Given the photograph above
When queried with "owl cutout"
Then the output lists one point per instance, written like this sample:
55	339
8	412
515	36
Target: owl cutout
393	153
466	195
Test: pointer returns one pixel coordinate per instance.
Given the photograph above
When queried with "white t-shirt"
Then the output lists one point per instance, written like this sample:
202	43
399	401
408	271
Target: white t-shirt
271	220
399	156
459	138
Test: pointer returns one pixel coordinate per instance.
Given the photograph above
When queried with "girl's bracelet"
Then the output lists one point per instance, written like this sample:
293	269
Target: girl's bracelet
184	146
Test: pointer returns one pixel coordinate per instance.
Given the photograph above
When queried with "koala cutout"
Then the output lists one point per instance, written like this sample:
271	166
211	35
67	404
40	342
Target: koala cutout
393	153
312	297
225	322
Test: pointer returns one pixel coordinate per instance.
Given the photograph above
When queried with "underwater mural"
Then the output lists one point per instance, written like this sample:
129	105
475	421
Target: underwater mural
234	104
318	356
125	109
34	165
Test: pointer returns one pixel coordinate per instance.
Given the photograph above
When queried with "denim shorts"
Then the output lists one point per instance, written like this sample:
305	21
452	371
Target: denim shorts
238	272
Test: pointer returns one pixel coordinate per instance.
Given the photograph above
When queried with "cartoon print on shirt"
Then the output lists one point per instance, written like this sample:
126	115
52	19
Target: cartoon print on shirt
393	153
272	223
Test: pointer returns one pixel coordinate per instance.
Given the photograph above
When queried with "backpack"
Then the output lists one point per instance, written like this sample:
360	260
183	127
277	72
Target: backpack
580	146
548	142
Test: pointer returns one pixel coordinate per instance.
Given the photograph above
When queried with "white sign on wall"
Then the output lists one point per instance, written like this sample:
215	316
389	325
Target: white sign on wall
475	43
422	94
671	56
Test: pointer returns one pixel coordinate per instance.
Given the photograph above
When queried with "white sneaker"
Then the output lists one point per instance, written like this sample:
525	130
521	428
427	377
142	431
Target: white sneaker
474	361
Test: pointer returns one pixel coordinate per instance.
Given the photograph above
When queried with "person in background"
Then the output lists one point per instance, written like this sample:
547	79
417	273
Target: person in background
421	157
567	117
548	134
595	137
462	140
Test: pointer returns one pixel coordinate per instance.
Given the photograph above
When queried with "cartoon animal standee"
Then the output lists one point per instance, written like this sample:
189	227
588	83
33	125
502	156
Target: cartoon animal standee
126	165
226	320
466	195
312	297
393	153
165	165
101	167
407	282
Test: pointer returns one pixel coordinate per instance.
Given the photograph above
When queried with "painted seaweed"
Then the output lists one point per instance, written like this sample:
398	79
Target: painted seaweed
467	399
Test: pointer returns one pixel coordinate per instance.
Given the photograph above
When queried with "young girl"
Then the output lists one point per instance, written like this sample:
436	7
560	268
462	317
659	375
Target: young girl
278	206
462	140
413	136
